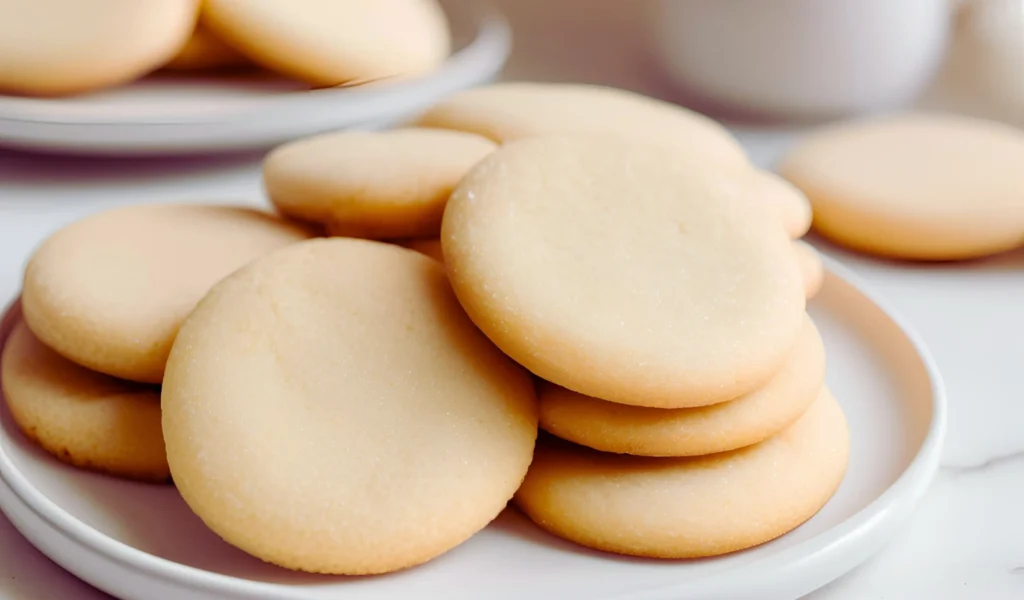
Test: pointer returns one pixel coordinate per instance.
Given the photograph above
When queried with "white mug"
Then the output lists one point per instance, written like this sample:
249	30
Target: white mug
805	58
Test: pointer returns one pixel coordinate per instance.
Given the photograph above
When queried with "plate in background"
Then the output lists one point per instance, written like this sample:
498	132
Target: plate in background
140	542
169	113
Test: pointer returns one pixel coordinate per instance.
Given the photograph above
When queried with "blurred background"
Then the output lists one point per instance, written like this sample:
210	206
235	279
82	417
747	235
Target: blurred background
782	60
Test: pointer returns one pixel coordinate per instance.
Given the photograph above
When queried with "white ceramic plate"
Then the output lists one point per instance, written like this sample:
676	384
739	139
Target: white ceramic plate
140	542
178	114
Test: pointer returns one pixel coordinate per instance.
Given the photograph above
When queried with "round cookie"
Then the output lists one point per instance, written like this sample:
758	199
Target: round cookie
749	419
110	291
331	42
330	408
510	111
53	47
377	185
204	50
428	246
810	266
689	507
793	207
623	270
915	186
83	418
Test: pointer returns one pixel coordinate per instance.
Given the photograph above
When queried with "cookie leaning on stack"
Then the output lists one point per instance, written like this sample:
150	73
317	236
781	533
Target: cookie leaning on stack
330	408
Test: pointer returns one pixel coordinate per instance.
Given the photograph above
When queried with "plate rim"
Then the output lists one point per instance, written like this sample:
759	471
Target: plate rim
900	496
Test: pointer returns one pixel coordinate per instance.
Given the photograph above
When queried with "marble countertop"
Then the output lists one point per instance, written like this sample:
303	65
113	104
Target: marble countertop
967	538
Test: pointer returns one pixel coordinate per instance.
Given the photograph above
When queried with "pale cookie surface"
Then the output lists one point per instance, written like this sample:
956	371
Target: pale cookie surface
204	50
510	111
915	186
377	185
612	427
623	270
330	42
110	291
83	418
330	408
810	266
50	47
689	507
791	204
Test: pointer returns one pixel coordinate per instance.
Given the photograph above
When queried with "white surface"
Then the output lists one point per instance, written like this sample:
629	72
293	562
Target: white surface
803	57
141	542
181	113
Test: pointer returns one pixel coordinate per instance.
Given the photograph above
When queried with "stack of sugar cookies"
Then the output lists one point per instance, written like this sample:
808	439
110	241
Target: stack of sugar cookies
625	252
54	47
608	268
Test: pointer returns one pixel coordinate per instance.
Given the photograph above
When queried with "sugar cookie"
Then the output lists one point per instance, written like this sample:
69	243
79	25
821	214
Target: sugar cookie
915	186
376	185
110	291
330	408
83	418
204	50
810	266
689	507
624	270
330	42
52	47
429	246
512	111
749	419
793	207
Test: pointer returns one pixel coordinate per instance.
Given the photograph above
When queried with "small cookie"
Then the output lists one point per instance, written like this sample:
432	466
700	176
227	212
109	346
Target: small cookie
53	47
377	185
429	246
505	112
915	186
85	419
330	408
810	266
330	42
204	50
793	207
749	419
110	291
689	507
624	270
